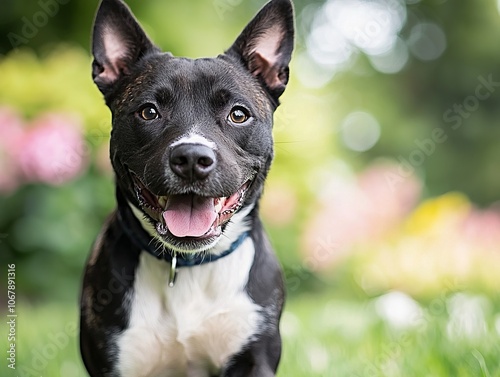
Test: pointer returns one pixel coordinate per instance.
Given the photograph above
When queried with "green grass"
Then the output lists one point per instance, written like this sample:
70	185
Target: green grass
324	335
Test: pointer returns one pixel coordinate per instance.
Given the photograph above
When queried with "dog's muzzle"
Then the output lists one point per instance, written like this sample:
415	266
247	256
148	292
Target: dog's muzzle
189	216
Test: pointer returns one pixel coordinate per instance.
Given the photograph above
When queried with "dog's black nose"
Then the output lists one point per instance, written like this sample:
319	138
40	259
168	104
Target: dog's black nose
192	161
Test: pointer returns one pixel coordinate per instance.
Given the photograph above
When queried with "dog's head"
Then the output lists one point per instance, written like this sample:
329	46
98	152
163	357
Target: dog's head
191	141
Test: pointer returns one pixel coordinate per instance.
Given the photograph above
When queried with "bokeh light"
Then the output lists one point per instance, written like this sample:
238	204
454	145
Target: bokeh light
360	131
341	30
427	41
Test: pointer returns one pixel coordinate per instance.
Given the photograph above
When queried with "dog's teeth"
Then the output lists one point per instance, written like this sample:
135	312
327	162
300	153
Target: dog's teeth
219	203
162	201
229	211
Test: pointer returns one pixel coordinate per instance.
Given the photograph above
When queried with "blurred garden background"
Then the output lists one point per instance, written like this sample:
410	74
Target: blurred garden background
383	202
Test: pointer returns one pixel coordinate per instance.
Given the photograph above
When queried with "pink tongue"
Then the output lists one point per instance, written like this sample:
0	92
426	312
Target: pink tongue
189	215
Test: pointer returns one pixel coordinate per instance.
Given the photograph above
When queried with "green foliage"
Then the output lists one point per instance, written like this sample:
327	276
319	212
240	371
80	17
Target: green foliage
427	95
61	81
49	232
433	251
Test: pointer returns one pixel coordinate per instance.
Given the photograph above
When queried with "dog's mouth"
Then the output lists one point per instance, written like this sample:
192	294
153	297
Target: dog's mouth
189	217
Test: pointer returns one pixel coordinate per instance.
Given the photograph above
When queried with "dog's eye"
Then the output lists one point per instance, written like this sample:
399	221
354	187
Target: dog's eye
239	115
149	112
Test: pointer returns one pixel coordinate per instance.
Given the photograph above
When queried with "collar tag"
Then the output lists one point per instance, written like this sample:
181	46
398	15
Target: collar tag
173	270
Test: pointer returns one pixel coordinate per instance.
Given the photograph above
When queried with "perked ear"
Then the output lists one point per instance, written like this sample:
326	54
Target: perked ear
118	42
265	45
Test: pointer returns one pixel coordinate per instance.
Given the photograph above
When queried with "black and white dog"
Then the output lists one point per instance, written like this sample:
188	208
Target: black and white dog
182	280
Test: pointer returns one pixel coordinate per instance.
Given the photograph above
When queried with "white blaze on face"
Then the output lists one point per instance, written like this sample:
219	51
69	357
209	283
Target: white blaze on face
194	138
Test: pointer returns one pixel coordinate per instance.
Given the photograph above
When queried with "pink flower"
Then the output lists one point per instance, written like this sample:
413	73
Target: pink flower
53	150
355	211
387	205
11	129
482	228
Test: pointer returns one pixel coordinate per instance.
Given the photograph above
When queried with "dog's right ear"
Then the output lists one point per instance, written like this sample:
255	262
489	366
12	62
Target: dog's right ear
118	42
265	46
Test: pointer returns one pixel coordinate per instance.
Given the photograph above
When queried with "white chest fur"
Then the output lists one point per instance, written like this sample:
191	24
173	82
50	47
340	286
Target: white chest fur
193	328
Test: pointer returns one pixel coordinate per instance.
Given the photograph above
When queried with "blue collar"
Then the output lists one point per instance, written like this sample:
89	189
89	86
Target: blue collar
176	260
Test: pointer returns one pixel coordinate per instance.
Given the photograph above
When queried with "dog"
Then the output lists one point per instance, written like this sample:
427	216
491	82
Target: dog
182	280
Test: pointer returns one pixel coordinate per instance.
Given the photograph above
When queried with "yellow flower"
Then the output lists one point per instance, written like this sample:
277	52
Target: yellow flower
438	214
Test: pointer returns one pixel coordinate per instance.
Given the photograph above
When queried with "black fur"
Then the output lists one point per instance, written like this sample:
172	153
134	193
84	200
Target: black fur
198	95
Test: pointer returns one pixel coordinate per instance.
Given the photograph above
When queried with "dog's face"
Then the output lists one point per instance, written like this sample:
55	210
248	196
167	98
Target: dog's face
191	141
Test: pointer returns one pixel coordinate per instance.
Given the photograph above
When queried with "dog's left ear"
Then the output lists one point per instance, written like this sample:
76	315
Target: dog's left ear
265	46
